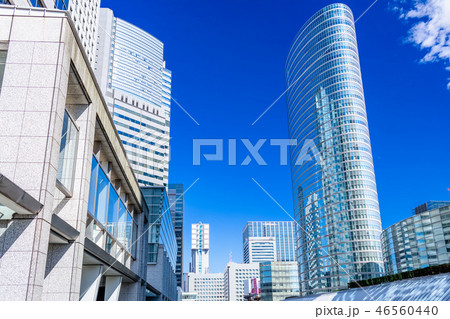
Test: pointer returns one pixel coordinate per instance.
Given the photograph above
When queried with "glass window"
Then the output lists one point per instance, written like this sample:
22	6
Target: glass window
113	208
4	2
128	231
67	155
101	202
108	209
61	4
92	186
37	3
121	227
108	244
134	239
2	65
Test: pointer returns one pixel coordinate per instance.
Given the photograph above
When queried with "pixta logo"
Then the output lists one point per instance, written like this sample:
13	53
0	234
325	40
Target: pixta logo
308	151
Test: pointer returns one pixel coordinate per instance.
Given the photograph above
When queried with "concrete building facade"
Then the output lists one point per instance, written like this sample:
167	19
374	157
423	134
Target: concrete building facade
207	287
234	277
72	216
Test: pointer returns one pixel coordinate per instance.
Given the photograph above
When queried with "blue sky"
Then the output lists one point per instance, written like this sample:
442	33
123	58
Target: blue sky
227	59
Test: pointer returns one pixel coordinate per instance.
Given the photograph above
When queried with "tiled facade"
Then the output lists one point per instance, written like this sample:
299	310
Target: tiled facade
235	276
65	250
208	287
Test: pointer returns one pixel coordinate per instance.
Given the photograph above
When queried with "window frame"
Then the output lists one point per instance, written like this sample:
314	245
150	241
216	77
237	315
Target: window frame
68	192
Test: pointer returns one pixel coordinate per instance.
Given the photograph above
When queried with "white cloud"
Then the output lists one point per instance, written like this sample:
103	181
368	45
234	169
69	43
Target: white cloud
431	28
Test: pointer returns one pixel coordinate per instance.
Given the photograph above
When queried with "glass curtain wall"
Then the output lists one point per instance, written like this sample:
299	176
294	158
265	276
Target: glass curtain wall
107	208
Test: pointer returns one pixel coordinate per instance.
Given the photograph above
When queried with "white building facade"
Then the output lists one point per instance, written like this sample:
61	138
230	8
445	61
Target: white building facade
259	249
131	71
200	248
235	276
207	287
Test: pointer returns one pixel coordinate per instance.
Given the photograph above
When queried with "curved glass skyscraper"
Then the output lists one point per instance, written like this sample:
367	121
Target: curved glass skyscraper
335	195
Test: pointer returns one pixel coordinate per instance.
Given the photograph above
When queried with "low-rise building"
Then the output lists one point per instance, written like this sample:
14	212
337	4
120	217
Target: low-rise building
234	277
279	280
419	241
252	289
207	287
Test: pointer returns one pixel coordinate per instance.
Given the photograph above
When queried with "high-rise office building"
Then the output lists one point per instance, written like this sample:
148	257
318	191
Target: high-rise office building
175	194
84	14
279	280
333	179
130	68
257	239
419	241
235	276
200	248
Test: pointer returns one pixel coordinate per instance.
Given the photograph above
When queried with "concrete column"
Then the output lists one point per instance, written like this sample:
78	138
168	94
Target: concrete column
112	288
90	281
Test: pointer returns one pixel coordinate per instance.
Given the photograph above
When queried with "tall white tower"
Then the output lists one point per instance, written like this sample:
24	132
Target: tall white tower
200	248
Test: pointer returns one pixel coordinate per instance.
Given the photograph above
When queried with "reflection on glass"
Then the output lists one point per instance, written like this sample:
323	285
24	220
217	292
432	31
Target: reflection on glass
93	186
113	208
101	202
2	64
110	211
121	224
67	153
61	4
336	201
108	244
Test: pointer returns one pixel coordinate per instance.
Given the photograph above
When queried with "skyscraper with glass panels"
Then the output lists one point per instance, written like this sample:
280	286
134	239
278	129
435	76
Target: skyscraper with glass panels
258	236
334	189
130	69
175	194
